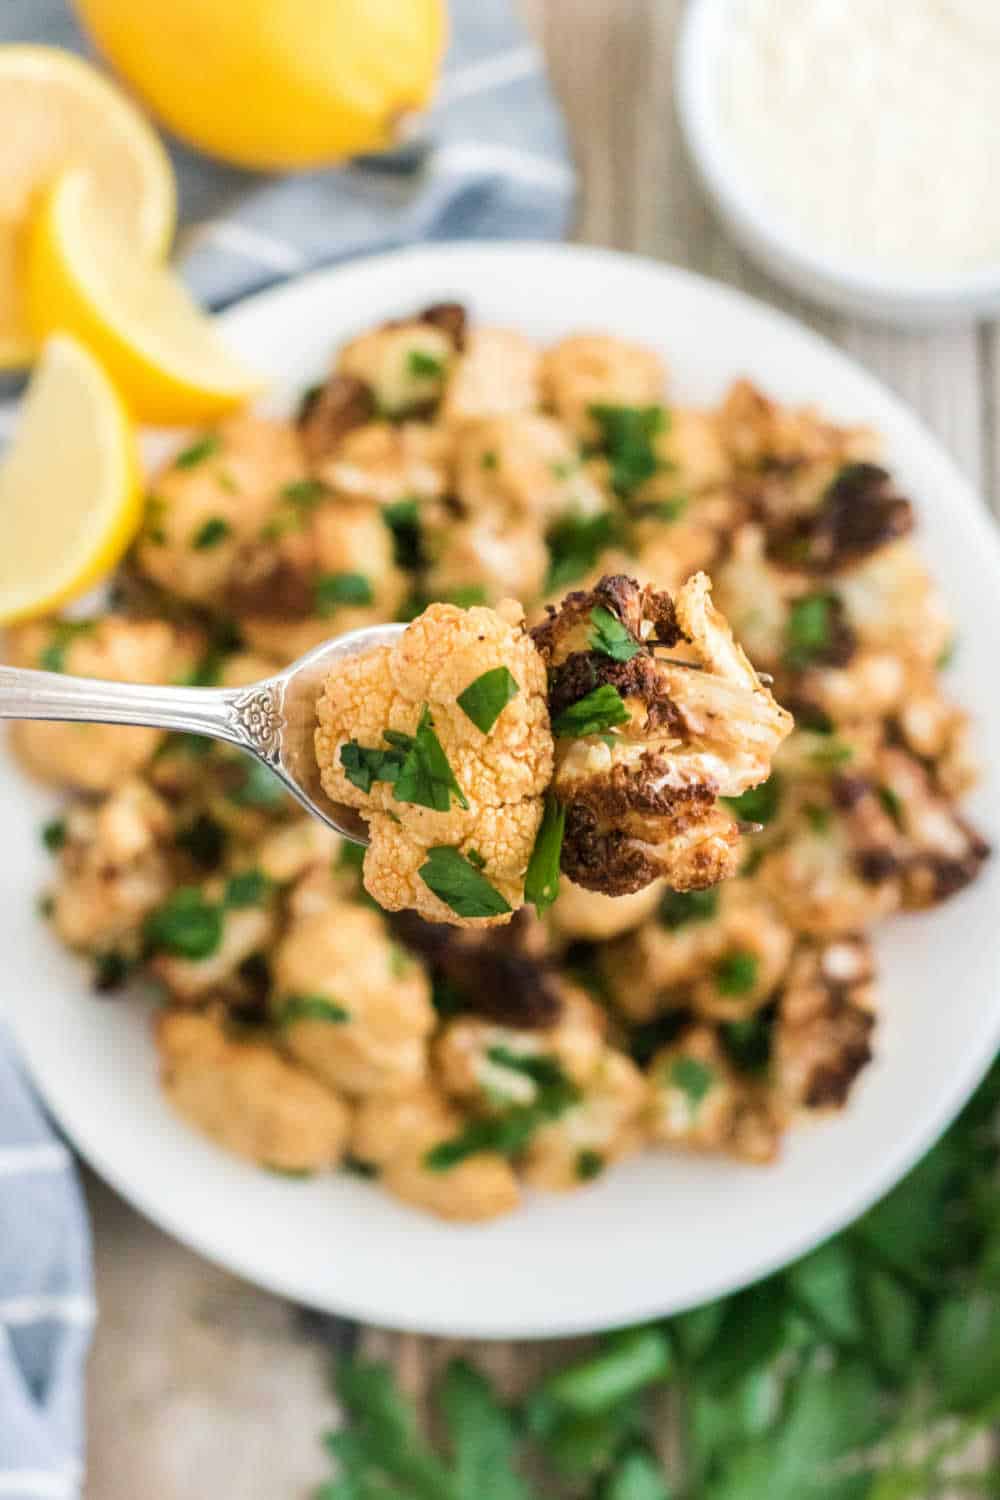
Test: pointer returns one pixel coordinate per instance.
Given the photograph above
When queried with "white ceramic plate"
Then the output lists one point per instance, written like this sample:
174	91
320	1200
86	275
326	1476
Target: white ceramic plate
662	1232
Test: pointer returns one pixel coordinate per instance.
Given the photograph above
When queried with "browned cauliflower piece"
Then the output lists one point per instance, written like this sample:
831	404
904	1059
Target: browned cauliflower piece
646	746
526	464
698	1100
396	1136
329	571
442	742
766	438
248	1098
496	373
351	1005
601	1127
595	369
404	365
384	463
939	852
232	935
825	1017
719	953
113	871
96	757
489	555
211	499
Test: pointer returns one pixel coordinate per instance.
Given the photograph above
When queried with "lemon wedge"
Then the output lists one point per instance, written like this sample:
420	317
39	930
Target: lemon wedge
163	353
55	110
70	496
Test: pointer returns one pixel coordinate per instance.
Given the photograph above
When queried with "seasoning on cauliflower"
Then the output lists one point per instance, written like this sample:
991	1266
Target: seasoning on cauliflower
442	742
647	746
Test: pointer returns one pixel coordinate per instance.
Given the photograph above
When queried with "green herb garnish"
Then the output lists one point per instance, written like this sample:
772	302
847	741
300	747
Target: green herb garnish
736	973
610	637
667	510
892	802
628	433
829	757
575	543
248	888
818	817
425	777
334	589
543	1070
760	804
466	597
210	534
54	834
692	1077
677	908
186	926
600	710
311	1008
510	1131
457	882
485	699
489	460
305	493
808	629
403	519
53	656
190	457
424	366
541	883
589	1164
364	765
475	858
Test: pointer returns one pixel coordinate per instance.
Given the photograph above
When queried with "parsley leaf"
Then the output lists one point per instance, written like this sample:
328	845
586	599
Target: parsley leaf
53	656
423	366
610	636
312	1008
541	883
692	1077
334	589
760	803
510	1131
808	629
457	882
575	543
248	888
403	520
54	835
306	493
214	531
186	925
485	699
425	777
363	765
628	433
538	1066
601	709
189	458
736	973
679	907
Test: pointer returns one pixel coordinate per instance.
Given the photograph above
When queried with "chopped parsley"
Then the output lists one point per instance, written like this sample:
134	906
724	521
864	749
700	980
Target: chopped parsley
214	531
189	458
677	908
425	777
154	514
808	629
248	888
510	1131
667	510
403	520
400	962
186	926
541	883
475	858
466	597
54	835
53	656
226	482
332	590
575	543
736	973
628	433
610	637
457	882
489	460
693	1078
306	493
350	856
111	970
485	699
600	710
589	1164
818	817
312	1008
893	804
204	840
947	656
542	1069
760	804
748	1041
364	765
424	366
829	757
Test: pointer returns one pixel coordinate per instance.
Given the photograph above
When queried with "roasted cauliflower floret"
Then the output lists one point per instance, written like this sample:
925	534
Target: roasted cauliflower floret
763	436
442	742
645	746
526	465
330	572
211	499
697	1099
822	1033
114	869
248	1098
486	556
594	369
385	463
496	373
399	1136
495	1066
404	365
600	1128
351	1005
200	939
96	757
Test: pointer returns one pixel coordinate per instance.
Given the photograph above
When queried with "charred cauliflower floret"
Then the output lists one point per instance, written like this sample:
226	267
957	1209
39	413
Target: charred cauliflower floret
329	570
350	1004
403	1139
645	747
114	869
766	438
825	1018
496	373
96	757
590	370
698	1100
248	1098
442	742
211	499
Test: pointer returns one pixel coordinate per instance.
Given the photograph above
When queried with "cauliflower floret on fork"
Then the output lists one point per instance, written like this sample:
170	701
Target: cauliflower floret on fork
648	743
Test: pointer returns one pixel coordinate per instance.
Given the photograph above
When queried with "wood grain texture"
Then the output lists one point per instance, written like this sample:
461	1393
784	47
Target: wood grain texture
199	1384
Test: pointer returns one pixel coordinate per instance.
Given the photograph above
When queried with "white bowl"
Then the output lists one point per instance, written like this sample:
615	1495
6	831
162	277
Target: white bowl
662	1231
869	291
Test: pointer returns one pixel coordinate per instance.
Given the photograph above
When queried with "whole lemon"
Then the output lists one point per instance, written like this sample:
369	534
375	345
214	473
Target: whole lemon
275	83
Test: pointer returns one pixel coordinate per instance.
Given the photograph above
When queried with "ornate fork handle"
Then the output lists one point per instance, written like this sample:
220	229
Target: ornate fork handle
248	717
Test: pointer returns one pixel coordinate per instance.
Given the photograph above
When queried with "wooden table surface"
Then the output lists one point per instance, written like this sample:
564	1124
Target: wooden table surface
201	1385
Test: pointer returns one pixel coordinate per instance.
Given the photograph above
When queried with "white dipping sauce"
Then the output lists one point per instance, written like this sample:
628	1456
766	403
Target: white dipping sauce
871	127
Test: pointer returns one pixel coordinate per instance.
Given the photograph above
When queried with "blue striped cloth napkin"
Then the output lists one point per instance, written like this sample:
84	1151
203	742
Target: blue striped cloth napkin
492	162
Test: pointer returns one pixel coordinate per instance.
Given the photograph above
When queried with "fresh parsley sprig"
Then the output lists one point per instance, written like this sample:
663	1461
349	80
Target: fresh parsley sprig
602	709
